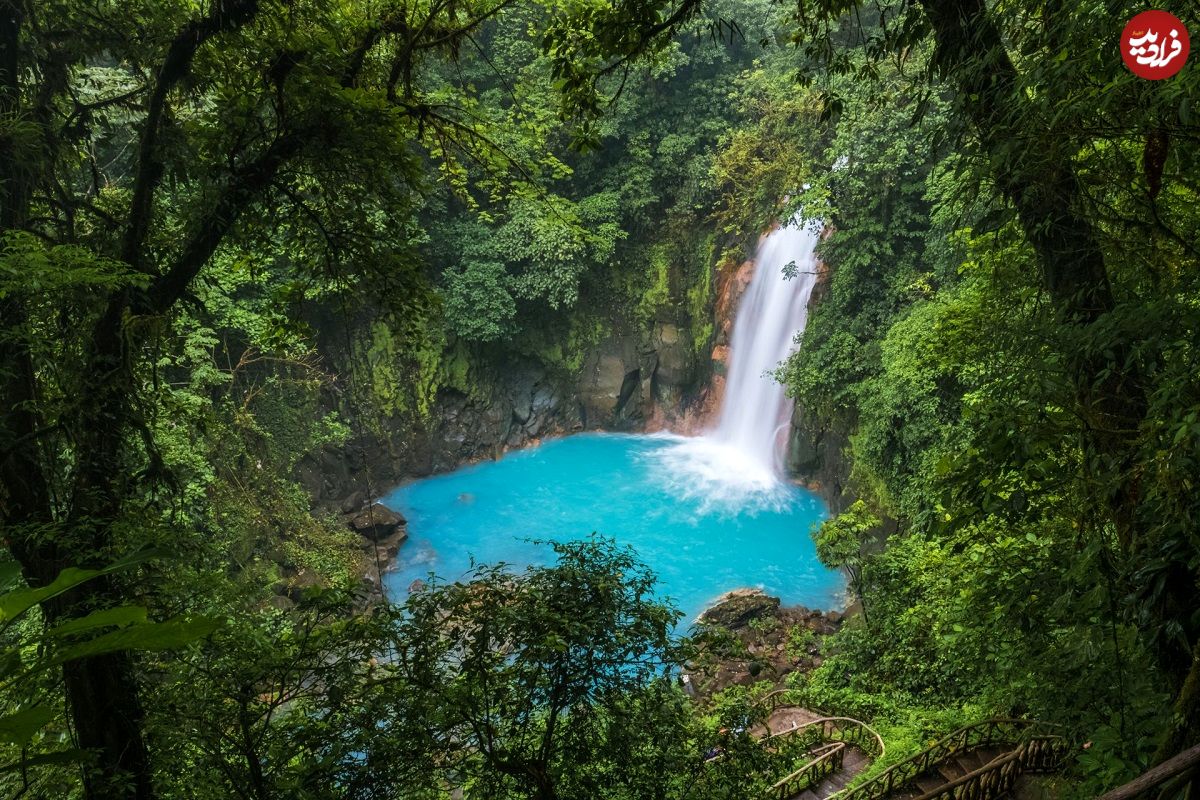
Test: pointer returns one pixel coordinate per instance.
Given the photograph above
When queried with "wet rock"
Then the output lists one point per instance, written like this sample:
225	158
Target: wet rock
605	385
736	609
279	602
387	548
377	523
522	408
543	400
674	358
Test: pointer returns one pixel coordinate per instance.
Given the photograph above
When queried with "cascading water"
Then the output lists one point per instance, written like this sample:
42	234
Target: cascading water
742	457
774	309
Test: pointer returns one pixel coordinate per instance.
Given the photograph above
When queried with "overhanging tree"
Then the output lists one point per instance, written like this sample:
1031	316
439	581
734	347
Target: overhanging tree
138	140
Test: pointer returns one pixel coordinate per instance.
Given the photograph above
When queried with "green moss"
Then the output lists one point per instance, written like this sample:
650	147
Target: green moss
381	361
658	294
700	293
404	364
456	370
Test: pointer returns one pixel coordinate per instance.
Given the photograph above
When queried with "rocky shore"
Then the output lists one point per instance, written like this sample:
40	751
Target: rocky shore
748	636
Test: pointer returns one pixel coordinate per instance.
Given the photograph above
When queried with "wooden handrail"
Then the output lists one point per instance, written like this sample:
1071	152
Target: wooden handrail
1039	753
1000	774
830	755
876	751
977	734
1156	776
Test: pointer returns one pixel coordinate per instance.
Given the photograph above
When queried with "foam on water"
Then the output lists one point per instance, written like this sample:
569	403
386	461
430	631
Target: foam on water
717	476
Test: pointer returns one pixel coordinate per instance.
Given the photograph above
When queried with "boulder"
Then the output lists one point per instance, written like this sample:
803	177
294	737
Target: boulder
736	609
299	584
387	548
377	522
522	407
353	501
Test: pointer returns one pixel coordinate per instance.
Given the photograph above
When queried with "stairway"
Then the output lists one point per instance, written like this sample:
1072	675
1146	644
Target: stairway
949	771
984	760
826	772
854	763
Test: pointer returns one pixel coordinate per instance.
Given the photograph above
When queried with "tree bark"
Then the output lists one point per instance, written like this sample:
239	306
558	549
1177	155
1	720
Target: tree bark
12	200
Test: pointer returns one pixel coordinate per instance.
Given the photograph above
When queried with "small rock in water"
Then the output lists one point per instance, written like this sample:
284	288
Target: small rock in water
416	586
377	522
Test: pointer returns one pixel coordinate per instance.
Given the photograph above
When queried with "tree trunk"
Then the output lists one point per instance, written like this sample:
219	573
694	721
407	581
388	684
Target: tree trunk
1045	191
1046	194
107	713
101	691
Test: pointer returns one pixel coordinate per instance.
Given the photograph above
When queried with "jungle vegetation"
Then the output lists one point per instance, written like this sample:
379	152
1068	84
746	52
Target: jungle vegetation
197	196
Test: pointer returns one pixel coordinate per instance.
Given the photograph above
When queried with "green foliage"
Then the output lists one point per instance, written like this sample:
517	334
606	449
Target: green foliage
31	727
842	540
478	304
765	163
658	294
971	384
801	641
542	682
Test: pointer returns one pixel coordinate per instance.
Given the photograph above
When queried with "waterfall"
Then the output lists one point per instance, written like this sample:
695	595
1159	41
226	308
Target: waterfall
755	410
740	461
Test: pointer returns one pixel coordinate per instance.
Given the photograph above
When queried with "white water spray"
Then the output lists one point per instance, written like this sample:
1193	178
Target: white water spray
755	410
743	455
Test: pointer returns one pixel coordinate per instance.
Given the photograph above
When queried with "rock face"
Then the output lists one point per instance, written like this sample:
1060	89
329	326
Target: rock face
632	381
643	375
626	380
816	446
736	609
816	455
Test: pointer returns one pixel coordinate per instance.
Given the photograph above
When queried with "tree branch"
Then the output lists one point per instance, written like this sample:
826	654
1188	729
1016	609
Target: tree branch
174	69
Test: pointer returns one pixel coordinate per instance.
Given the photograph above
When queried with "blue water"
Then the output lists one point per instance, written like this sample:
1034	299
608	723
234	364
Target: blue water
702	534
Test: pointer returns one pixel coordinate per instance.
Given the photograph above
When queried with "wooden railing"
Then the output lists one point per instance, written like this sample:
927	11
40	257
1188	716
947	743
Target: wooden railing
1034	750
1169	780
988	733
826	761
838	733
779	697
994	779
835	729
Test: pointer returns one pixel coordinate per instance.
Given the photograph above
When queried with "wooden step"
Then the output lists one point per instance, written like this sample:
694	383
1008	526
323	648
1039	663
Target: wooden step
838	780
951	770
968	762
990	754
854	762
927	783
